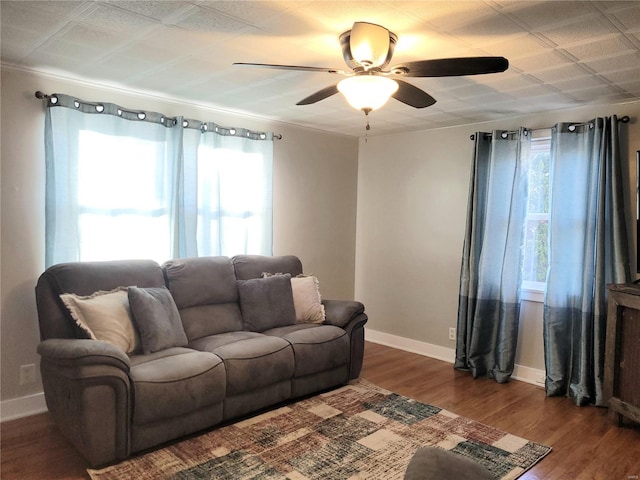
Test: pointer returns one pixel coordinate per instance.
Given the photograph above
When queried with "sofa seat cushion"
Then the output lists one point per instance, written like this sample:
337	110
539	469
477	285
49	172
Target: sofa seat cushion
316	348
256	362
211	342
174	382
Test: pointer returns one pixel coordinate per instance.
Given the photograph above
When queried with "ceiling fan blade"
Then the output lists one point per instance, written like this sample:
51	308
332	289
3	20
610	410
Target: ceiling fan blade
452	67
291	67
412	95
319	95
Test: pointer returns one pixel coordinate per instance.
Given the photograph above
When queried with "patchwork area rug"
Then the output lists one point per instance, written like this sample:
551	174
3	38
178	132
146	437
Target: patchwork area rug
356	432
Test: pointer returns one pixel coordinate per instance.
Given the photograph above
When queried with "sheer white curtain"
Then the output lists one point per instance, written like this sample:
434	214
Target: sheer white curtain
123	184
234	195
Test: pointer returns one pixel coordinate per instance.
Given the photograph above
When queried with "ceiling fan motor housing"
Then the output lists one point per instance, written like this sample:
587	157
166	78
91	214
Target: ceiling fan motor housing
367	46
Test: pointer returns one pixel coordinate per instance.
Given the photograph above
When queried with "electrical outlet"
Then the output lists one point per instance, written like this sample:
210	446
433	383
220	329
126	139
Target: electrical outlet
27	374
452	333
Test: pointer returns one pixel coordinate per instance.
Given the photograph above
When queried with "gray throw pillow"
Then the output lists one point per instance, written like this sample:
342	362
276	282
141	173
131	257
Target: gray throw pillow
266	302
157	318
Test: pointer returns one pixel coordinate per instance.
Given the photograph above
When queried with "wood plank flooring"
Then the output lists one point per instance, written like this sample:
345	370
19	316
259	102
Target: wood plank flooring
586	443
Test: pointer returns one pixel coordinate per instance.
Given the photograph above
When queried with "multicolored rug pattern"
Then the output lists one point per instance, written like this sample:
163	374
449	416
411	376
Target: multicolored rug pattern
356	432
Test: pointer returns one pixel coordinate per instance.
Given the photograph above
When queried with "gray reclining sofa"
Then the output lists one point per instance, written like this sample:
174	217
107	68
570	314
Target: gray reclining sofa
240	351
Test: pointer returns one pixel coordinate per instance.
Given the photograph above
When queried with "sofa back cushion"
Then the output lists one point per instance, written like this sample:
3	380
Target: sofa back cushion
86	278
204	290
253	266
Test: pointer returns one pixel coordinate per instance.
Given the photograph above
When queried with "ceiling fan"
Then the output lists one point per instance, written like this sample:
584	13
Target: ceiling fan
367	49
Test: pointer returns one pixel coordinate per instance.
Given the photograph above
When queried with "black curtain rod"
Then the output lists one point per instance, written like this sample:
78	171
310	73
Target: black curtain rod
40	95
624	119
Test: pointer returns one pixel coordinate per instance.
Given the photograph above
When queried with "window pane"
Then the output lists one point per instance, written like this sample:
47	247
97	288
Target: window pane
536	250
122	206
230	200
536	240
539	183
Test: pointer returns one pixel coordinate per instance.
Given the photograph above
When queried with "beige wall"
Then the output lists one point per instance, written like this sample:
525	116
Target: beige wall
315	179
412	200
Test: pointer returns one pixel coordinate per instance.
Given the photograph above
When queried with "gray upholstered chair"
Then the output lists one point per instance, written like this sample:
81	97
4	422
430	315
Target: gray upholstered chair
432	463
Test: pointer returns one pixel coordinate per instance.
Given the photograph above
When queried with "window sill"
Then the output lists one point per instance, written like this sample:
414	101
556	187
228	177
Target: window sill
532	294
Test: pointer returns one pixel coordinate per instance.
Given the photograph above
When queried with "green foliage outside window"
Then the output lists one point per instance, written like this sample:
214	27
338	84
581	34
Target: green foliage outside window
536	258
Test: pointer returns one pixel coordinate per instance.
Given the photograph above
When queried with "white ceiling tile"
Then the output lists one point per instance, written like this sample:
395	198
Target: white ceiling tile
614	63
163	11
629	17
603	47
471	91
515	46
253	13
86	35
176	41
532	92
209	20
486	30
633	87
541	15
334	16
540	60
27	16
67	8
551	101
445	15
613	5
579	83
506	81
110	18
16	43
624	76
579	31
600	94
78	51
559	74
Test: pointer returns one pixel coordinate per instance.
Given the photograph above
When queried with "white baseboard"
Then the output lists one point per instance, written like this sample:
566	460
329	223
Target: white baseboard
520	372
22	407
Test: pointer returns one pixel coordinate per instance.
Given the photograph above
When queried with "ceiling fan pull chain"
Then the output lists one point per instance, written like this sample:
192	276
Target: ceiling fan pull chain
367	126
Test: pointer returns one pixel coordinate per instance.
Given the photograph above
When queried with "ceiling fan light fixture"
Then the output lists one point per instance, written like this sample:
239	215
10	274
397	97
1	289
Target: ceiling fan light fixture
369	44
367	92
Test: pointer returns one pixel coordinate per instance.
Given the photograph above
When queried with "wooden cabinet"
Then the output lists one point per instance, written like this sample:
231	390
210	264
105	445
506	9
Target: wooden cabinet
622	355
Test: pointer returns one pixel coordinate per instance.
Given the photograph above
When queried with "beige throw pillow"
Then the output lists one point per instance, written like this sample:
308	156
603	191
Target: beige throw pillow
307	300
105	316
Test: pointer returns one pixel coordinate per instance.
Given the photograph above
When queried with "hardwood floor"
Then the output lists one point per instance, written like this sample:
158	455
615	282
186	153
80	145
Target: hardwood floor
586	443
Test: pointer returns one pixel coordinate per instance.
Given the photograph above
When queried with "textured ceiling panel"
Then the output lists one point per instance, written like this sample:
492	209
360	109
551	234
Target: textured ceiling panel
562	54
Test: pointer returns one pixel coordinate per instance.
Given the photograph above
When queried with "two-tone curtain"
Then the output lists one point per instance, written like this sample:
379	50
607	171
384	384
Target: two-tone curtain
588	249
489	300
136	184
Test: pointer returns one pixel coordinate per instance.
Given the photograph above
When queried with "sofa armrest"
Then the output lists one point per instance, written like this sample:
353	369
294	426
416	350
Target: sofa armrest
76	353
350	316
341	312
89	395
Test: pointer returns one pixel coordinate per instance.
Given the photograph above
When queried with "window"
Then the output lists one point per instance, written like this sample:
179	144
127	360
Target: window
123	184
536	245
